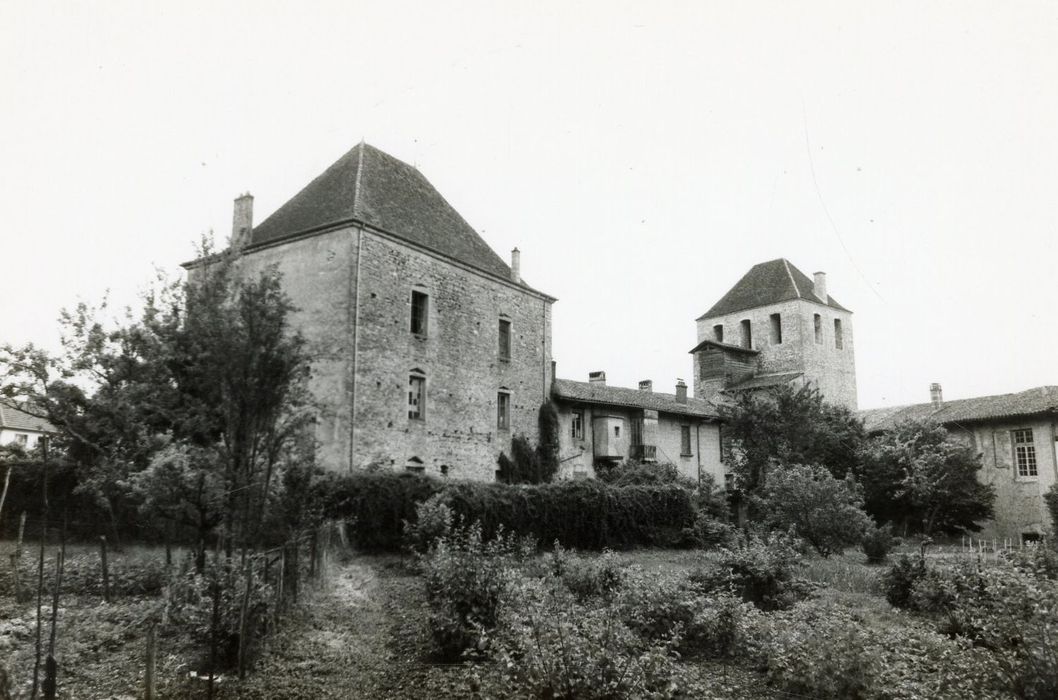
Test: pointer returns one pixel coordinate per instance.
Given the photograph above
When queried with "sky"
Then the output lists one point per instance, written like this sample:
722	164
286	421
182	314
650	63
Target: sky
643	156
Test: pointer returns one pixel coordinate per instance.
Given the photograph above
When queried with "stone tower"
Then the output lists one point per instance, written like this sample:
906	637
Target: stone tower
776	326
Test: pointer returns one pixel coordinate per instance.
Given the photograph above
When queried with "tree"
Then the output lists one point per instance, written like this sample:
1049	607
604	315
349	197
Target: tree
921	478
787	425
547	448
808	501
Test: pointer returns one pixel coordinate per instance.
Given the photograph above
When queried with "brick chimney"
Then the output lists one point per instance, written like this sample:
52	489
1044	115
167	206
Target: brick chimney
819	286
681	391
516	266
646	385
935	396
597	377
242	221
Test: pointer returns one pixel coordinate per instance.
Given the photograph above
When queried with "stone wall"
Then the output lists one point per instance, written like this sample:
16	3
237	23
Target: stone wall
353	288
1019	505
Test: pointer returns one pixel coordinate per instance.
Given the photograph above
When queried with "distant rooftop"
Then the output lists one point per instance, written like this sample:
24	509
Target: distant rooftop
1041	400
598	393
768	283
14	418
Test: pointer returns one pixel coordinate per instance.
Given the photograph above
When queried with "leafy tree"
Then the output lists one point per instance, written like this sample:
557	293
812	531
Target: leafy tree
548	447
788	425
808	501
922	478
533	466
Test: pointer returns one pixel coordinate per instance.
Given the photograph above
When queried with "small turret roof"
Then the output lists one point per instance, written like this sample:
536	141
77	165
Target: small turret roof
768	283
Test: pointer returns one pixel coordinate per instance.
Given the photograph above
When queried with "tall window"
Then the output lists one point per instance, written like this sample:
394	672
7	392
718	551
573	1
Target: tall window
776	329
577	425
685	440
505	339
819	328
839	341
718	332
420	309
747	336
416	397
503	411
1025	452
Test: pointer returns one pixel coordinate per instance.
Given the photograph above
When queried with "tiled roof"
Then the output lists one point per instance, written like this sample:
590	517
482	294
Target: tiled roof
1040	400
12	418
588	392
762	381
374	188
768	283
724	346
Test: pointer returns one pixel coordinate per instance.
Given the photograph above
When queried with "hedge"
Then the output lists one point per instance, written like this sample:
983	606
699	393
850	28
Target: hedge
584	514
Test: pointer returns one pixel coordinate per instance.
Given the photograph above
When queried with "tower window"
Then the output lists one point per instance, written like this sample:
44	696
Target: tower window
505	340
420	306
819	328
416	397
718	332
503	411
776	329
747	335
839	341
1025	452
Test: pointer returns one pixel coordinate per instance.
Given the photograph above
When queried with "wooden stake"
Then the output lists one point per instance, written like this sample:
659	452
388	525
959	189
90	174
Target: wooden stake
106	569
243	610
148	674
21	531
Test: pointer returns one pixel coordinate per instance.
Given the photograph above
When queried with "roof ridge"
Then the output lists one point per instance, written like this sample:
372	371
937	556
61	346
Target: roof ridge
797	290
359	174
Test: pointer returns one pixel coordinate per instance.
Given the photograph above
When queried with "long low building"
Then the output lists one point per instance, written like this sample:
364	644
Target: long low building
609	424
1015	435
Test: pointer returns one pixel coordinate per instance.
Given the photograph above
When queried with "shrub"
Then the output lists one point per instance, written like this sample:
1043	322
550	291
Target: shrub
586	577
83	575
877	543
823	511
465	575
635	473
549	646
899	581
433	521
760	571
377	504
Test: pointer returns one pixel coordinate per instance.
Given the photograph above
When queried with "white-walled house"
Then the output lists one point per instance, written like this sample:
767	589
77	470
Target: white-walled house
20	428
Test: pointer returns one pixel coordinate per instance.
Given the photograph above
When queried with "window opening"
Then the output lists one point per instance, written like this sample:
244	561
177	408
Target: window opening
747	337
503	411
416	397
839	341
819	329
420	306
505	340
776	329
1025	452
718	332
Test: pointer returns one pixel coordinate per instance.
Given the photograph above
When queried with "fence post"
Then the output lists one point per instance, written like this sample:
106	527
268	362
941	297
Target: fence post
106	569
148	675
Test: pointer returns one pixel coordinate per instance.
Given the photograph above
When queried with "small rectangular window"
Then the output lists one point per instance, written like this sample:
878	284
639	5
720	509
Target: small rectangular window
416	397
839	341
685	440
747	335
21	438
617	431
776	329
503	411
1025	452
718	332
505	339
420	308
577	429
818	320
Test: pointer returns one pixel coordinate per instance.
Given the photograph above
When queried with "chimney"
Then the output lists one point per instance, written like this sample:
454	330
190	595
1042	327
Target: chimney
935	396
681	391
646	385
242	221
516	266
819	287
597	377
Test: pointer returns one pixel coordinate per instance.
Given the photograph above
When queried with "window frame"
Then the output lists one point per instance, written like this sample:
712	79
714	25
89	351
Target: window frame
818	323
420	407
419	322
685	441
576	430
504	330
718	332
746	330
503	410
775	328
1025	462
839	335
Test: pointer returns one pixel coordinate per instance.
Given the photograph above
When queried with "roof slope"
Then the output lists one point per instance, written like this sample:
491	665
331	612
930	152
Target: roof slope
768	283
12	418
374	188
588	392
1036	401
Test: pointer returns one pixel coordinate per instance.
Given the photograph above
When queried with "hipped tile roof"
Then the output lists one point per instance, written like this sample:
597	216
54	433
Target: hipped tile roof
768	283
597	393
13	418
369	186
1041	400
